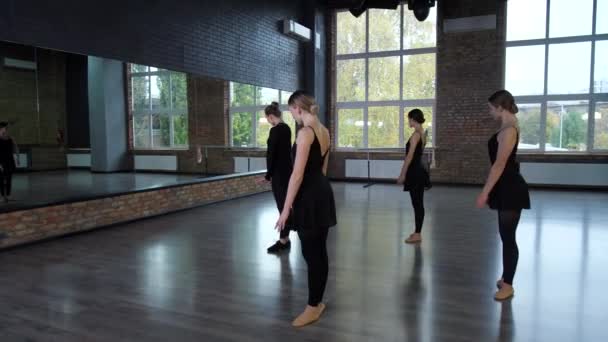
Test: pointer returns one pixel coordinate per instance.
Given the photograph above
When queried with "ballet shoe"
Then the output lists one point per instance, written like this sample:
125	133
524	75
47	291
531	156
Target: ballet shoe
414	238
504	293
310	315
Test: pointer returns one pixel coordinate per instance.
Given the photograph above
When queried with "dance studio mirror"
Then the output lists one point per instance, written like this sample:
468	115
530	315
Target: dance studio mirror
84	126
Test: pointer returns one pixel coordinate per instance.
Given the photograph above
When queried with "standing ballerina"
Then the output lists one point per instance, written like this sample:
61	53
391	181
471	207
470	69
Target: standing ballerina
505	190
8	161
312	199
278	166
414	176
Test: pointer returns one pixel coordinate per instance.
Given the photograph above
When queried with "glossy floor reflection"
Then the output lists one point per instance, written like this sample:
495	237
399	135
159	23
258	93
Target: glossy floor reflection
204	275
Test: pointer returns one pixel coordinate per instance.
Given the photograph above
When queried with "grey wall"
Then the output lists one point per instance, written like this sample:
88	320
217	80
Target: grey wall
77	102
236	40
107	113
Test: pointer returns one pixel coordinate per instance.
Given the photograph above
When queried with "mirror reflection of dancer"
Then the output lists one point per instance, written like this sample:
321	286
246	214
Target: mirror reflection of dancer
414	177
278	167
312	199
505	190
8	161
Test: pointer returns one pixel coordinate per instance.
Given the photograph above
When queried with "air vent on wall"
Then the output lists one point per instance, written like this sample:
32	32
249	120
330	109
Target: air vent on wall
19	64
295	30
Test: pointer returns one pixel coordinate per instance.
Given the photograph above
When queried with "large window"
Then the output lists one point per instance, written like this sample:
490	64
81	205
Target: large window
557	68
385	66
159	103
248	124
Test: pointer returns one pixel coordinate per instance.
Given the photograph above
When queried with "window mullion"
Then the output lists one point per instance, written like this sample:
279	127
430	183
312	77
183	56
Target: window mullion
151	123
591	126
401	125
543	127
544	104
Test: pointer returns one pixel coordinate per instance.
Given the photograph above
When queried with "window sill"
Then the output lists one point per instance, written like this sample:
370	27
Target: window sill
562	154
231	148
378	150
572	157
160	150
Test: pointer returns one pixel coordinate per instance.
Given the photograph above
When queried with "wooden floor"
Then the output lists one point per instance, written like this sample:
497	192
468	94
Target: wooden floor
204	275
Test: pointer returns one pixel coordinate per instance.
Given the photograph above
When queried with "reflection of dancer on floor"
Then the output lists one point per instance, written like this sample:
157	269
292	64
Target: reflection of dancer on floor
311	197
278	166
505	190
414	177
8	161
413	298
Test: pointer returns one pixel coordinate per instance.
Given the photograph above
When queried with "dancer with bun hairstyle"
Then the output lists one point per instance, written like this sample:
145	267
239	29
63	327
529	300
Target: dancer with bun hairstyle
311	196
278	168
505	189
414	177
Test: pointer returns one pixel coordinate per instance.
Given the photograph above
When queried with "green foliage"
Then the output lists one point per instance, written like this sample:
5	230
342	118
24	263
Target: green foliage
180	130
601	127
141	131
350	128
383	128
162	125
242	130
419	76
350	33
573	129
263	129
529	125
172	90
384	75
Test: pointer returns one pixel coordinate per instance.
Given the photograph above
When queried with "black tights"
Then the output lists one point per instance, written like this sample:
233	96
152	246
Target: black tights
6	180
507	225
314	250
279	190
417	196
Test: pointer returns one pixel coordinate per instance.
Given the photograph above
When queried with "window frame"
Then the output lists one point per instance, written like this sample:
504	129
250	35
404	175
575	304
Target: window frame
591	96
253	110
149	112
366	103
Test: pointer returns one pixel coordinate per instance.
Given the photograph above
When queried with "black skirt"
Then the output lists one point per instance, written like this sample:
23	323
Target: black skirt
417	178
314	207
510	193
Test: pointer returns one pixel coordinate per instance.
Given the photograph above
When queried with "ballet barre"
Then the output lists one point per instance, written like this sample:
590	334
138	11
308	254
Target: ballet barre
429	155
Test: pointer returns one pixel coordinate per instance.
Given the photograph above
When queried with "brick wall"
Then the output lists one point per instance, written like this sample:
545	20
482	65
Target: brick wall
469	69
237	40
207	120
41	223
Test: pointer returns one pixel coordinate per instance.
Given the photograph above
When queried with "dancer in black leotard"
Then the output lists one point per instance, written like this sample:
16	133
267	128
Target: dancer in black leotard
8	161
278	167
414	177
312	199
505	190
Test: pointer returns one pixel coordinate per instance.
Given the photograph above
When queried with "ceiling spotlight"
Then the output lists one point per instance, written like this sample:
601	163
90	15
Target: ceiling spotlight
421	8
360	6
359	9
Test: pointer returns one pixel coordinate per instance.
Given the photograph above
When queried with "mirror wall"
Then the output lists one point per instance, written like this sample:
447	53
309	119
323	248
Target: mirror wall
86	126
